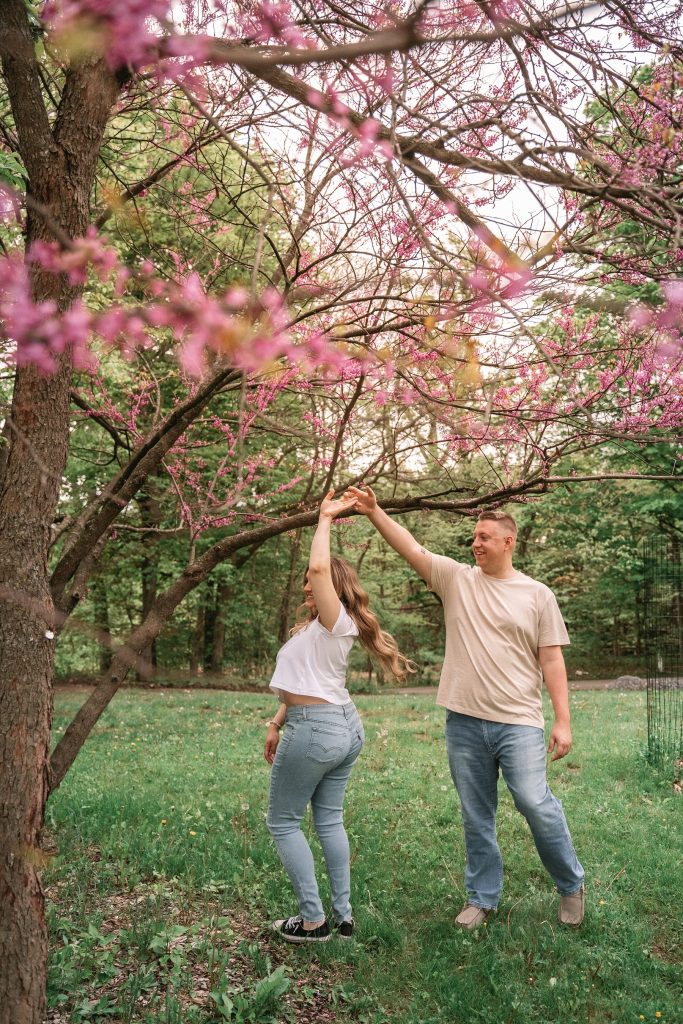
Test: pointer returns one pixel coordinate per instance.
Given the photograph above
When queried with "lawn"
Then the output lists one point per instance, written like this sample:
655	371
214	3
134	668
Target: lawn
165	879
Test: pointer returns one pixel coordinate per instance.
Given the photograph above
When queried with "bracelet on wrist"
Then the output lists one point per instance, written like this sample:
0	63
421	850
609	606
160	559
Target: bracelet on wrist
276	724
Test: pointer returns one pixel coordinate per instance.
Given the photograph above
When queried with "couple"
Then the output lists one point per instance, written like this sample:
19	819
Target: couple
504	637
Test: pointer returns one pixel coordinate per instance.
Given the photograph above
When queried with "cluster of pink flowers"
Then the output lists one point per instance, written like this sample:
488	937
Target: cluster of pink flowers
248	331
262	22
124	29
667	321
41	333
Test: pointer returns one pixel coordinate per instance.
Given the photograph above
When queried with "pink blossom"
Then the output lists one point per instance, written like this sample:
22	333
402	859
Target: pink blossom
125	26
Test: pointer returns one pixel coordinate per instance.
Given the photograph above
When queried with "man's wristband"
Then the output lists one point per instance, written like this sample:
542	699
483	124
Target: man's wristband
276	724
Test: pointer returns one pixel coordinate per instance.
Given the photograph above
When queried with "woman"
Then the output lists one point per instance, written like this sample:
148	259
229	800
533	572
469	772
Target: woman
323	734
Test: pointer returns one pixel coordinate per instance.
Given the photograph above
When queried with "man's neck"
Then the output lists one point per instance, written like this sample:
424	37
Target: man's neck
506	572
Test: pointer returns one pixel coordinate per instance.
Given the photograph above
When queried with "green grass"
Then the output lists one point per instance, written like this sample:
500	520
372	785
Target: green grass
166	878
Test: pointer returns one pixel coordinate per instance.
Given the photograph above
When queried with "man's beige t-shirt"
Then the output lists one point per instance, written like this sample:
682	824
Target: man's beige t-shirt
494	628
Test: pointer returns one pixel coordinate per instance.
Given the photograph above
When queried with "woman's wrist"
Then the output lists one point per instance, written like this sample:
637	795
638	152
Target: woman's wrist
273	722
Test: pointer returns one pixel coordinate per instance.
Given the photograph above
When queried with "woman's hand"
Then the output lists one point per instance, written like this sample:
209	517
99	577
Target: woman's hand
272	740
366	502
331	507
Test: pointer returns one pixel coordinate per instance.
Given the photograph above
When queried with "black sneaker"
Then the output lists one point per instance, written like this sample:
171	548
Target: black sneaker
345	929
292	930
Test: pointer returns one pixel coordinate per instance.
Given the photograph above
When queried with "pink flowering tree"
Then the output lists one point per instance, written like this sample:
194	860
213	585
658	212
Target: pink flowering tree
398	217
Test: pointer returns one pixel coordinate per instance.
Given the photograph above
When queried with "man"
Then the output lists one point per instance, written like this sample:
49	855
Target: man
504	637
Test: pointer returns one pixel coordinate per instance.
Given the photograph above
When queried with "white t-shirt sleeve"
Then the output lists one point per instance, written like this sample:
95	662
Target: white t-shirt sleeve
344	626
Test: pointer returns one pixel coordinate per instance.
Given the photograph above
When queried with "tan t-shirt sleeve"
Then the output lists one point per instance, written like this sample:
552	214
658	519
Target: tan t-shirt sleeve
443	571
552	631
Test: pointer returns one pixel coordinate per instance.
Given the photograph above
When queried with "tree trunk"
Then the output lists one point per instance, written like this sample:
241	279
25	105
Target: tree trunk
222	598
209	626
150	515
27	504
101	603
197	648
60	163
287	596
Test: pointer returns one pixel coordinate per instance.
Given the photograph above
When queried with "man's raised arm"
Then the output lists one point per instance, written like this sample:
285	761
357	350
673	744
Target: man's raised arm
400	539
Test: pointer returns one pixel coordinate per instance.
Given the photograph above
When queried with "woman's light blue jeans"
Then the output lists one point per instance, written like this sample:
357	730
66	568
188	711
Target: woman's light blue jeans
477	749
319	746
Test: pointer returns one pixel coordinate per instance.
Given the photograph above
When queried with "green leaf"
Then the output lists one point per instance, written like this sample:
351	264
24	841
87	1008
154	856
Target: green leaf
12	171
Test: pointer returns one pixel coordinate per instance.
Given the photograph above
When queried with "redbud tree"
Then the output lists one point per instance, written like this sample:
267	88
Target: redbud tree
414	221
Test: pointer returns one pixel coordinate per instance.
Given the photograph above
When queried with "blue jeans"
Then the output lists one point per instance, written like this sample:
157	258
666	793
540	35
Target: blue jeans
319	746
477	749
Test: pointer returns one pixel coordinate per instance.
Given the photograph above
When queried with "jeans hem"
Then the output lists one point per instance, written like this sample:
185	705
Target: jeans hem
574	892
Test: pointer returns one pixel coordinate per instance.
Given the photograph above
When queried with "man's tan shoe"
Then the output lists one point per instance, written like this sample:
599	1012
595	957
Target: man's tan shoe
572	909
471	917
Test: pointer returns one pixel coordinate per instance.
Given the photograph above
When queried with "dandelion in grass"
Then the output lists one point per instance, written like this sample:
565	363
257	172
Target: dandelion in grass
192	833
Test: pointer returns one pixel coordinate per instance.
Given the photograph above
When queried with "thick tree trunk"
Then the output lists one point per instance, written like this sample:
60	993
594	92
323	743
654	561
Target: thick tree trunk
27	504
60	162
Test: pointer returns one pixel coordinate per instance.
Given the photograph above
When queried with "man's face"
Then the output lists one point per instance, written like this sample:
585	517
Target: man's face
490	544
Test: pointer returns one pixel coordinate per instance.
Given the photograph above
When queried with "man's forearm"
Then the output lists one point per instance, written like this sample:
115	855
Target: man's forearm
559	696
394	534
403	543
555	678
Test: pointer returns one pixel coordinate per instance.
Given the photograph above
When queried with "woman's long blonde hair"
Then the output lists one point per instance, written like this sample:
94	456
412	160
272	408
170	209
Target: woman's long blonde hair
374	639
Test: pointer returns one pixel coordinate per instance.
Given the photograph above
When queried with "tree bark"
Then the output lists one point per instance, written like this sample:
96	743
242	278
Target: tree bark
197	647
101	604
286	605
61	164
150	515
222	598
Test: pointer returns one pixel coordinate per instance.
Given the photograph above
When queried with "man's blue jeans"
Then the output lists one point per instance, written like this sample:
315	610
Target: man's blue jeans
319	746
477	749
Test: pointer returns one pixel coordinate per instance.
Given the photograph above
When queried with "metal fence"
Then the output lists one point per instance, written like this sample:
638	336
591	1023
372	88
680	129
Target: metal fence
663	617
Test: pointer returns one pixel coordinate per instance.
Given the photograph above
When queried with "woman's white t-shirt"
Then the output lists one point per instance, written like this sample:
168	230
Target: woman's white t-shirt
313	661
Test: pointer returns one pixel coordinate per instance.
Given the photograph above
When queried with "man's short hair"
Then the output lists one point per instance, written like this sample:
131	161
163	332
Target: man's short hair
504	518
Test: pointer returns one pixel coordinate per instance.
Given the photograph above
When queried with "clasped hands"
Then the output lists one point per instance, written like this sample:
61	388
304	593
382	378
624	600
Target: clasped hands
363	501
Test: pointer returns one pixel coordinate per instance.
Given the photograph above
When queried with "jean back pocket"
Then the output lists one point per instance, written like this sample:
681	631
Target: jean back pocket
327	745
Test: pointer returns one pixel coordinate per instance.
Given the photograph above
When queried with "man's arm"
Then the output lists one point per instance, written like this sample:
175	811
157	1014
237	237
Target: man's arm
554	671
394	534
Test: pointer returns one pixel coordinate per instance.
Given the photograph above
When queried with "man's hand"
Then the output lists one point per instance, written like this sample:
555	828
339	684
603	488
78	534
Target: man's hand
560	741
366	502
